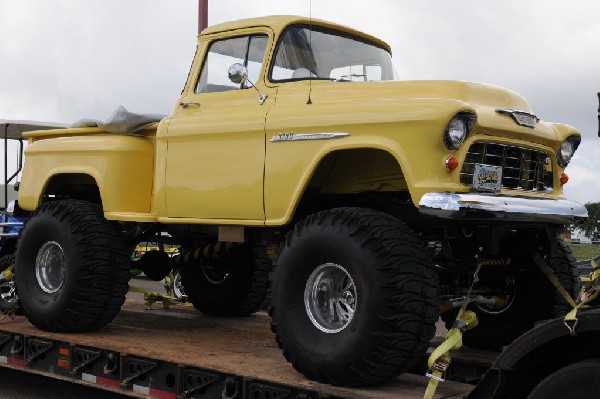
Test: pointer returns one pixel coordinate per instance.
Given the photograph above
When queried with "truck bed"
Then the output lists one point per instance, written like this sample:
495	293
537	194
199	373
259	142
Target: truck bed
178	352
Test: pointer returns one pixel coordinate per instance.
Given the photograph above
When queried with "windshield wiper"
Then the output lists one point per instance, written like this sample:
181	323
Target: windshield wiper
348	78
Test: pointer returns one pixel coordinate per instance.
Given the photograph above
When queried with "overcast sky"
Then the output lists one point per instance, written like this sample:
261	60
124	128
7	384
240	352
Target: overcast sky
62	60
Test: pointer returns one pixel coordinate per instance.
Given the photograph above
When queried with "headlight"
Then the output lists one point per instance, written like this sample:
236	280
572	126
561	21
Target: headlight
567	149
458	129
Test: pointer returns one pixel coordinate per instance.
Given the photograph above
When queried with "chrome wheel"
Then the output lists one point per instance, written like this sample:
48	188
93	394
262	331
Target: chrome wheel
178	291
50	267
330	298
7	291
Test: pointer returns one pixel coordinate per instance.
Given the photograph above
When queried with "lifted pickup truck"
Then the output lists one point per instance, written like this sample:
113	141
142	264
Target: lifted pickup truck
376	199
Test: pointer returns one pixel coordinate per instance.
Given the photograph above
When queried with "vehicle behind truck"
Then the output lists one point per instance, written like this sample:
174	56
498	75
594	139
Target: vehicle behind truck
296	171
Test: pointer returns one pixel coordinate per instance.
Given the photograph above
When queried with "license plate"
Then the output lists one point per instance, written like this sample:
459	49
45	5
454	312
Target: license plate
487	178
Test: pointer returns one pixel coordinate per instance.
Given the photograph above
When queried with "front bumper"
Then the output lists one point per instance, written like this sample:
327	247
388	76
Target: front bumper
475	207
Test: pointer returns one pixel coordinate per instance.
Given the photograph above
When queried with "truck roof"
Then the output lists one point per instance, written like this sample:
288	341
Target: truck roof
14	129
280	22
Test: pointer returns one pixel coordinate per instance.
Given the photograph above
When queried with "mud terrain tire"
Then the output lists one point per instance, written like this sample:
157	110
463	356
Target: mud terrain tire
354	297
234	282
536	299
73	268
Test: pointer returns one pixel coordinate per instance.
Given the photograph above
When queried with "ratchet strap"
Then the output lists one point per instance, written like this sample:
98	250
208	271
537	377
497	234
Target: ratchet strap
150	297
7	274
587	296
440	358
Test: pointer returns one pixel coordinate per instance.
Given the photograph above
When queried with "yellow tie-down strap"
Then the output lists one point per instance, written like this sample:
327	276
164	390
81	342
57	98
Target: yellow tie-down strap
587	296
151	297
440	358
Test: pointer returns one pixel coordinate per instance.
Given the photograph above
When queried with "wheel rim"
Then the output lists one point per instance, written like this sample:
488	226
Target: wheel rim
178	286
509	298
7	291
50	267
330	298
216	270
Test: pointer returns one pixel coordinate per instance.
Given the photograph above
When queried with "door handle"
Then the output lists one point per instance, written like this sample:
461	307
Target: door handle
186	104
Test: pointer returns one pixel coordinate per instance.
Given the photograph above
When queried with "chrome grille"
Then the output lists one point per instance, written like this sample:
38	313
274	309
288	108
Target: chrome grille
522	168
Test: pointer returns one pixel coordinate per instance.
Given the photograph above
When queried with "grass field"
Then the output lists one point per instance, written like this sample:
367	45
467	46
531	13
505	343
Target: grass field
585	251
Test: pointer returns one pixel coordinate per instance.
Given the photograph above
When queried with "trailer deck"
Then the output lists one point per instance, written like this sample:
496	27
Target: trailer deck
180	353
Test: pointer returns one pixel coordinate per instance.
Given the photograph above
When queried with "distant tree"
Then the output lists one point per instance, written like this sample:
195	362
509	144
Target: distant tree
591	227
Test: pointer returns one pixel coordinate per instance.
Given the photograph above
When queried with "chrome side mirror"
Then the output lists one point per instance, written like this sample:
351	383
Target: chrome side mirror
238	74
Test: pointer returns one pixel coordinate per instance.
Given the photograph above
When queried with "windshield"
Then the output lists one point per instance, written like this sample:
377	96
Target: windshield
303	54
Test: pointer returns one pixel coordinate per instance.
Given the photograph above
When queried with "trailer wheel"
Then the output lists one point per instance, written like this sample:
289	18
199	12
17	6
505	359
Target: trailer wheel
73	268
534	299
232	282
575	381
354	297
8	298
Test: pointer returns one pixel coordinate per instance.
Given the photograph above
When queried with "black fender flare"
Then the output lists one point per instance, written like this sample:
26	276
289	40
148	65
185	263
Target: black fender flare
539	352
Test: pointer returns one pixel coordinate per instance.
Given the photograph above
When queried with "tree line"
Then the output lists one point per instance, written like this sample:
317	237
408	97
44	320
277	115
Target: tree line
591	228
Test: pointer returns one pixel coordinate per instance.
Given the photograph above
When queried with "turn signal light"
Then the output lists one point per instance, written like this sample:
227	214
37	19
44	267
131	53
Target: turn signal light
451	163
564	178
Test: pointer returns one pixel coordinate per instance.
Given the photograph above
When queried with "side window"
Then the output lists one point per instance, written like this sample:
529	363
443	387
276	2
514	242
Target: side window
246	50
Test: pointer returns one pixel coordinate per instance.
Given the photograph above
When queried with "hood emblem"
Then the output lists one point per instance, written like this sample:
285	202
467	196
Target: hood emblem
521	118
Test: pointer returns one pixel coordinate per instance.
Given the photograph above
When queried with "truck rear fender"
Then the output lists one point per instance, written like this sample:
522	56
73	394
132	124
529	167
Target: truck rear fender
114	170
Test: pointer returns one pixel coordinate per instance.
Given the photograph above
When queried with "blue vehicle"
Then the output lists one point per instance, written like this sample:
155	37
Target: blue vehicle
11	225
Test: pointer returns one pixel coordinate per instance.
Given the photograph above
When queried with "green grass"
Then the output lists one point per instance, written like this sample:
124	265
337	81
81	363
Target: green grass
585	251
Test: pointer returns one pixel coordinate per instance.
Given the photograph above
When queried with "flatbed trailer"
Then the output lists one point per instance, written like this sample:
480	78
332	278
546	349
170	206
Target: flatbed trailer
180	353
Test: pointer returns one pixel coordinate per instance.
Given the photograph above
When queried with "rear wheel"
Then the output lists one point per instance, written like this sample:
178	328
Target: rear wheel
354	297
72	267
229	281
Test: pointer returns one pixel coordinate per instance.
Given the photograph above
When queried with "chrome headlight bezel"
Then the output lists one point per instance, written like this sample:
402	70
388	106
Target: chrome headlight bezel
567	149
458	129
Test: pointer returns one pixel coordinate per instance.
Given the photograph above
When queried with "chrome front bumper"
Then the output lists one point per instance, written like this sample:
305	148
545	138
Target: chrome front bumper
493	207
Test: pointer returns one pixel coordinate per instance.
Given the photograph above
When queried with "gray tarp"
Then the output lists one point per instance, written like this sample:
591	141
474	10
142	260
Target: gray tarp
121	121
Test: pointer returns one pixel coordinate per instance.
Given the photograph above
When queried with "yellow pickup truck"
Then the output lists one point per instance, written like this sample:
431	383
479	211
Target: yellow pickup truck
294	144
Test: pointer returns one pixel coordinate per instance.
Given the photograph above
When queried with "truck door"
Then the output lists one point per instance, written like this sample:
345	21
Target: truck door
216	138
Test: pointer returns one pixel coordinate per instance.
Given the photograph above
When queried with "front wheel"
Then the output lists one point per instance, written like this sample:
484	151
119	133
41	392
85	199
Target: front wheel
530	298
354	297
72	267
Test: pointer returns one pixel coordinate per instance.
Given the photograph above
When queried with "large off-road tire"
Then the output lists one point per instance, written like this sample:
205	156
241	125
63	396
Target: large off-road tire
535	299
8	297
354	297
72	267
232	282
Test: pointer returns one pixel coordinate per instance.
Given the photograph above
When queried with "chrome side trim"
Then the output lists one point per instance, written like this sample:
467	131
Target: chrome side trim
308	136
489	207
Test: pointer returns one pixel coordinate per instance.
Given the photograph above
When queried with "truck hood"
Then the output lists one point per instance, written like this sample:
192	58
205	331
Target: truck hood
484	99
